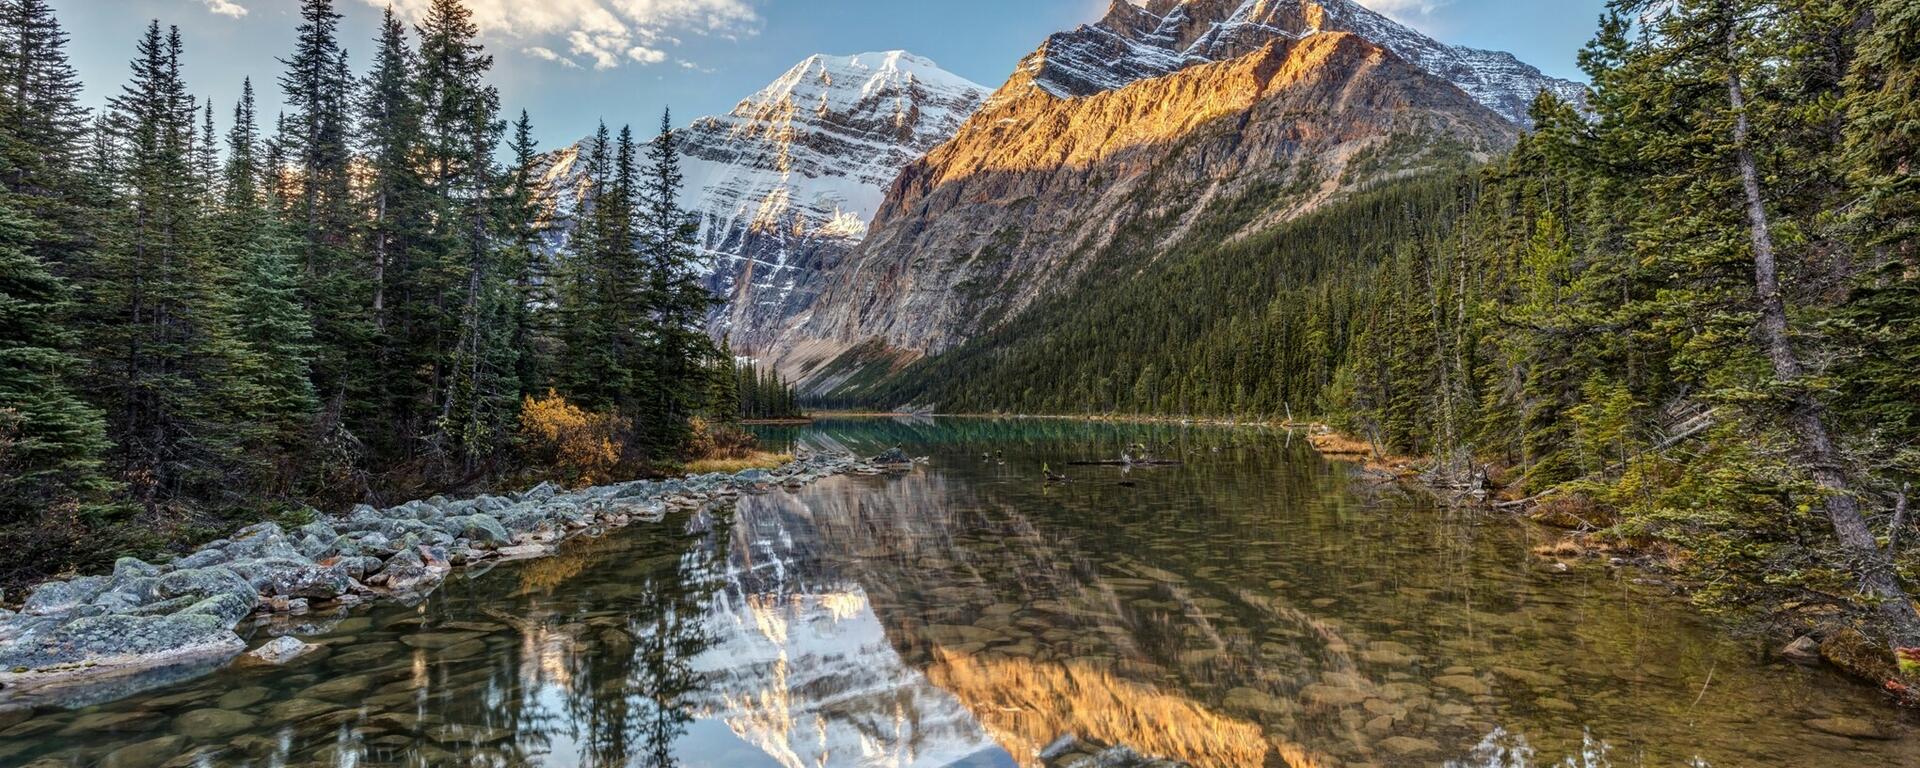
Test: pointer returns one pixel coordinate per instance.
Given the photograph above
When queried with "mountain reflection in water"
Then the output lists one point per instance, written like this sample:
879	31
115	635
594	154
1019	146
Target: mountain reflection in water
1251	607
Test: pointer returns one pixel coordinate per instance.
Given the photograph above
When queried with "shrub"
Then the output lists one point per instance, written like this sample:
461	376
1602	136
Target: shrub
713	440
577	445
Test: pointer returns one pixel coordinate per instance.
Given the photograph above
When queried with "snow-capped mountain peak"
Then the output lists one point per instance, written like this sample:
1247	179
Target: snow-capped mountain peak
1140	40
789	179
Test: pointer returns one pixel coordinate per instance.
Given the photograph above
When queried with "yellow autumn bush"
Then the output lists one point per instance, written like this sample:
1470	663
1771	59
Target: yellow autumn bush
574	443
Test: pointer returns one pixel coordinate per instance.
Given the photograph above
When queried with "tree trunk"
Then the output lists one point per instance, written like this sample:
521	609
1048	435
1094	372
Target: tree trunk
1806	416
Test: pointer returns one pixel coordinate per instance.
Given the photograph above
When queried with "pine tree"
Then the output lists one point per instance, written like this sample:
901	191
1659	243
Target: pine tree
337	285
479	394
51	441
672	390
535	300
395	240
155	294
263	307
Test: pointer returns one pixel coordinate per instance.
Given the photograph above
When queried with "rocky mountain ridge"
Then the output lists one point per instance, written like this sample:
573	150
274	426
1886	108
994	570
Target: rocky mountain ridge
1038	186
1153	38
785	184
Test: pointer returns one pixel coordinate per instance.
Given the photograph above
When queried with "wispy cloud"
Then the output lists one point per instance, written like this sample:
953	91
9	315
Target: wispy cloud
546	54
604	33
225	8
1406	10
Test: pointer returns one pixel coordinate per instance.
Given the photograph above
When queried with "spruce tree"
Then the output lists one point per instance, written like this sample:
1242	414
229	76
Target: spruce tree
263	305
51	441
529	270
395	238
155	294
315	138
671	389
475	384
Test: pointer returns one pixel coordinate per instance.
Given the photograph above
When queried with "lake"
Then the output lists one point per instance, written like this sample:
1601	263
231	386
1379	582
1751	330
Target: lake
1254	605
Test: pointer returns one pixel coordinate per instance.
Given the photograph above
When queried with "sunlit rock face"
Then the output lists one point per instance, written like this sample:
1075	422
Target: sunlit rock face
1061	172
784	185
1141	40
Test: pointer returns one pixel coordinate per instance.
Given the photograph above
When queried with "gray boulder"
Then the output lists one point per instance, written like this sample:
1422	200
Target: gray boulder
416	569
297	578
482	531
58	597
540	492
119	639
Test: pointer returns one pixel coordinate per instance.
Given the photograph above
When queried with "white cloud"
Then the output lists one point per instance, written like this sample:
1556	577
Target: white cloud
1405	9
546	54
226	8
604	32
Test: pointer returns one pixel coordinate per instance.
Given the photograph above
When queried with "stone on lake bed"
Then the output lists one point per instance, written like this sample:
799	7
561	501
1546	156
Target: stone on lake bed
241	698
297	709
212	724
1852	728
339	688
1330	696
281	650
1467	684
151	753
439	640
1408	746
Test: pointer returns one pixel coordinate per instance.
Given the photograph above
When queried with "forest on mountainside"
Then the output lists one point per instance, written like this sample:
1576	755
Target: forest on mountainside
1687	311
204	326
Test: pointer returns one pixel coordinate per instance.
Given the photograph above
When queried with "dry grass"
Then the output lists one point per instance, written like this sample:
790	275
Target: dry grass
1337	444
755	460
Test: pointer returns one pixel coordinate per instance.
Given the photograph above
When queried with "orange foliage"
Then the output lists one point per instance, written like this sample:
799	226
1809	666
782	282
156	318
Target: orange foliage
577	443
720	441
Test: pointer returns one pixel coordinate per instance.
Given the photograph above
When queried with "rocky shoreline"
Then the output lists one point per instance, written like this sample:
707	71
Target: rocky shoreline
182	614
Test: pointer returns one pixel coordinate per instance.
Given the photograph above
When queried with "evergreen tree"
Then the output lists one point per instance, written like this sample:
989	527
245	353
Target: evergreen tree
478	392
395	239
155	294
672	388
315	138
263	308
51	441
529	272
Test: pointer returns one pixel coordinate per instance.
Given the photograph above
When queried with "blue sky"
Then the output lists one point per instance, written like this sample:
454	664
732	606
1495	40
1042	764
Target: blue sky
571	63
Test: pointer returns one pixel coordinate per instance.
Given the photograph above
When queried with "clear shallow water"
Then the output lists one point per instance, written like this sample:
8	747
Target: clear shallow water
1254	606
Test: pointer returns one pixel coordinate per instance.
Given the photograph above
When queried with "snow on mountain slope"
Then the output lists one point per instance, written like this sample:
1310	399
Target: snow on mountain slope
787	182
1151	38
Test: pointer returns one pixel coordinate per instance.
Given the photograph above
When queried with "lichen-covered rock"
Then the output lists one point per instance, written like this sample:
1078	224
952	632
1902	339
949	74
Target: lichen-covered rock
57	597
483	531
119	640
416	569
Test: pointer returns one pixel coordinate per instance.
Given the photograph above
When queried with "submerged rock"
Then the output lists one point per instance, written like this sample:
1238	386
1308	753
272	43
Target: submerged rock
281	650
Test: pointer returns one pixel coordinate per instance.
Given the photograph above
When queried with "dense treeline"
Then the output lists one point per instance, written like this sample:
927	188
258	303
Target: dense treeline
759	392
201	325
1689	313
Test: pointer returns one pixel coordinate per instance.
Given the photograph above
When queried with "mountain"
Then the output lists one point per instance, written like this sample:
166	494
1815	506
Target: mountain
1086	152
785	184
1159	37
